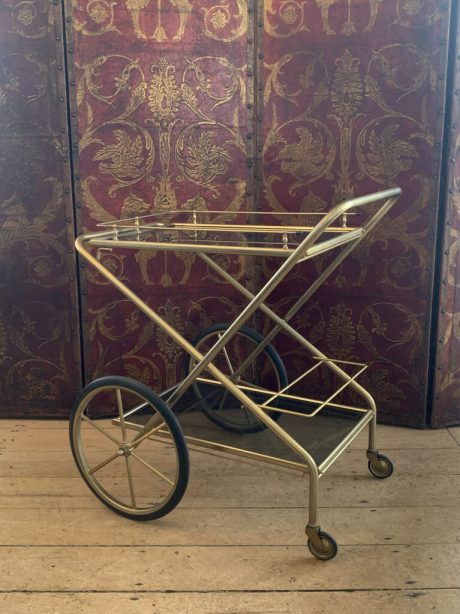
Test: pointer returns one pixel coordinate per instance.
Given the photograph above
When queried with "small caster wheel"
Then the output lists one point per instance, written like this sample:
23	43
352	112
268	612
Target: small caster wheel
380	466
326	550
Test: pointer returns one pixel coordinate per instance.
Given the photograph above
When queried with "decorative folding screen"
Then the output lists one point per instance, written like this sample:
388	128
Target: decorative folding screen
39	340
241	104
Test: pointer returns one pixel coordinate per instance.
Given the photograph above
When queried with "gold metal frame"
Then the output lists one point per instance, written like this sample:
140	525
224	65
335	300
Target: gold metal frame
201	233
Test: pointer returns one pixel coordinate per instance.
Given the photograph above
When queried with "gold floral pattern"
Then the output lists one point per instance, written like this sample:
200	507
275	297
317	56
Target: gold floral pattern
388	156
305	158
99	12
340	333
347	88
205	160
123	159
164	95
29	18
26	15
226	20
96	19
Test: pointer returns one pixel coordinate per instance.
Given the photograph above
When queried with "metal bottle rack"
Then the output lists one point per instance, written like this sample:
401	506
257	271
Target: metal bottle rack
137	463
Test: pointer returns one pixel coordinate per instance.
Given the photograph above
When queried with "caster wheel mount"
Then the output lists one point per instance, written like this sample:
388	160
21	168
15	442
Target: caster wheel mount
322	545
379	465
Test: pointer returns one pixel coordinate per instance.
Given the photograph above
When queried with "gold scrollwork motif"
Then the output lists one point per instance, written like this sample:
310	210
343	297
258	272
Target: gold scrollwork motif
412	248
345	332
163	100
383	148
125	150
428	11
381	154
226	21
311	157
128	78
33	327
340	331
107	317
16	91
99	21
453	278
183	10
312	79
164	96
200	158
29	22
347	97
140	368
38	379
288	18
349	26
400	69
232	84
128	160
20	230
347	87
168	350
130	155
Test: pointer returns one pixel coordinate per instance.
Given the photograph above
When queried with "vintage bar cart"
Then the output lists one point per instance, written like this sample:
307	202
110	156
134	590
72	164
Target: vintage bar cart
137	461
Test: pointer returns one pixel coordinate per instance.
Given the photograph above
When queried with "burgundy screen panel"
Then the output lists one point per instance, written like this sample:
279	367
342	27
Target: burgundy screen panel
353	103
39	340
162	93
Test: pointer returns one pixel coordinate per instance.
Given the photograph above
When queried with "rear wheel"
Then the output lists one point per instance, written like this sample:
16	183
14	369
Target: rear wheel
141	479
264	371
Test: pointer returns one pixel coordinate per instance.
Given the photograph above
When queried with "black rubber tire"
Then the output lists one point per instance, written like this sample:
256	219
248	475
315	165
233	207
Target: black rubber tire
329	550
104	385
208	409
379	472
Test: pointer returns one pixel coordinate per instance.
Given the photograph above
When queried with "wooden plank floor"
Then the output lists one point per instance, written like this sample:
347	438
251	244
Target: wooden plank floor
236	542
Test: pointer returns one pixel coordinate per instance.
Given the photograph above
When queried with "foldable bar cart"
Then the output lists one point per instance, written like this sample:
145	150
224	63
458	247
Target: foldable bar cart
136	461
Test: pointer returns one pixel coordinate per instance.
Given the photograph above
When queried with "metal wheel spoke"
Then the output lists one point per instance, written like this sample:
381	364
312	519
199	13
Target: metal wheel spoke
130	481
227	358
103	463
121	414
247	414
135	443
149	466
100	429
223	399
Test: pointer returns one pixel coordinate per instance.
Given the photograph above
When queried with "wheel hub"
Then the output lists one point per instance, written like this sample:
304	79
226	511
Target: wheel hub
124	450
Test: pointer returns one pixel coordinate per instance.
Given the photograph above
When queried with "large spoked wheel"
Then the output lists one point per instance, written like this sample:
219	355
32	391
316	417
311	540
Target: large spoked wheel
141	479
234	360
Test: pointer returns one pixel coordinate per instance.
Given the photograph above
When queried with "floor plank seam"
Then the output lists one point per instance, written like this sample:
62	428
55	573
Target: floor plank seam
142	547
407	590
457	443
331	507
